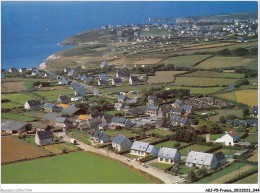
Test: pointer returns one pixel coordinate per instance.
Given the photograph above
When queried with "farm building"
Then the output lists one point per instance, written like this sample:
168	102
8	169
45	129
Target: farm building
143	149
32	104
121	142
229	138
99	137
12	126
63	99
116	81
63	80
169	155
63	123
208	160
44	138
133	80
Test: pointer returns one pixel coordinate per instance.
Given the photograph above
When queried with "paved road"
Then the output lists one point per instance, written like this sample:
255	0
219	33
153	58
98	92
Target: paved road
167	178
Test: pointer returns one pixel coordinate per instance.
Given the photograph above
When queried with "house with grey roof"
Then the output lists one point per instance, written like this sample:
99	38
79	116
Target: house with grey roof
102	82
135	112
189	109
71	73
44	138
143	149
176	112
119	106
99	137
76	99
12	126
32	104
73	111
103	64
179	121
49	107
121	142
122	98
152	110
152	101
96	115
89	123
178	104
117	81
63	80
103	77
208	160
131	101
54	76
63	99
63	123
163	112
133	80
74	85
35	72
169	155
51	117
102	126
254	111
12	70
80	91
120	121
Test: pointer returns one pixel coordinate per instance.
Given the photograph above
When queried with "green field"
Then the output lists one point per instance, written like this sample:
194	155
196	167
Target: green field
111	133
253	138
18	99
252	179
170	144
17	117
220	173
213	137
226	112
213	74
196	81
160	132
185	61
160	166
224	62
52	96
10	105
195	147
28	85
79	168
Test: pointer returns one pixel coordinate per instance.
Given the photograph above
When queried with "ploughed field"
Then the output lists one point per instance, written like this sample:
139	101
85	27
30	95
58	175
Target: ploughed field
15	150
79	168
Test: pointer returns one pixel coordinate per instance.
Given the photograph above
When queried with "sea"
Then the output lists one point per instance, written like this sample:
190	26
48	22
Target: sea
32	30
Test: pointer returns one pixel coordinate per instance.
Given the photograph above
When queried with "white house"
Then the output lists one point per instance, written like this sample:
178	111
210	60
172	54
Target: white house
121	142
228	138
143	149
169	155
63	80
32	104
133	80
207	160
44	138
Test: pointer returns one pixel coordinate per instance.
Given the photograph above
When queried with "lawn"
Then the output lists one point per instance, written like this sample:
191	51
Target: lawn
226	112
252	179
242	96
28	85
220	173
197	81
131	156
195	147
36	114
228	152
17	117
170	144
183	169
160	132
224	62
163	76
213	74
213	137
79	168
185	61
160	166
79	135
253	138
52	96
114	112
111	133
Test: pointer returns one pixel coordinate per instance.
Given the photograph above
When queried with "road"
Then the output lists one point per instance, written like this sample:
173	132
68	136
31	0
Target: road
166	178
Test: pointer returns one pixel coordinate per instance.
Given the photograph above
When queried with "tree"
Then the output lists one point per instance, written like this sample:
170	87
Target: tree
222	119
191	176
245	112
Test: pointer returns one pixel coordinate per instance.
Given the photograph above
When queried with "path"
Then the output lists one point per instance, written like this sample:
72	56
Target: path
167	178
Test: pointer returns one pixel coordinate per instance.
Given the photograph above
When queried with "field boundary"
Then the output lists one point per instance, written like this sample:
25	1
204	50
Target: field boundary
202	60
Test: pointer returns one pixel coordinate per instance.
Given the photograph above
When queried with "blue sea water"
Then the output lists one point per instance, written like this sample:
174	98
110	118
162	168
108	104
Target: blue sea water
31	31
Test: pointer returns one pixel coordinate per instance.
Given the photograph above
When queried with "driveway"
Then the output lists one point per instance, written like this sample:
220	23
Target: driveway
167	178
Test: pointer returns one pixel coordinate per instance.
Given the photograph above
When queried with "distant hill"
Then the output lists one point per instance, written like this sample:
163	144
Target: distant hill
212	18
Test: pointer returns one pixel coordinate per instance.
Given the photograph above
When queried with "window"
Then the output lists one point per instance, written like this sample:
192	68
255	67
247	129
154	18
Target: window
161	159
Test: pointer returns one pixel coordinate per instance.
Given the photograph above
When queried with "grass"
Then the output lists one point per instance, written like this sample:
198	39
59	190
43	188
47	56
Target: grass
111	133
35	114
79	135
252	179
183	169
18	98
52	96
160	132
224	62
28	85
79	168
114	112
227	96
227	151
17	117
195	147
254	157
170	144
220	173
213	74
185	61
10	105
253	65
197	81
226	112
131	156
242	96
160	166
253	138
163	76
213	137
